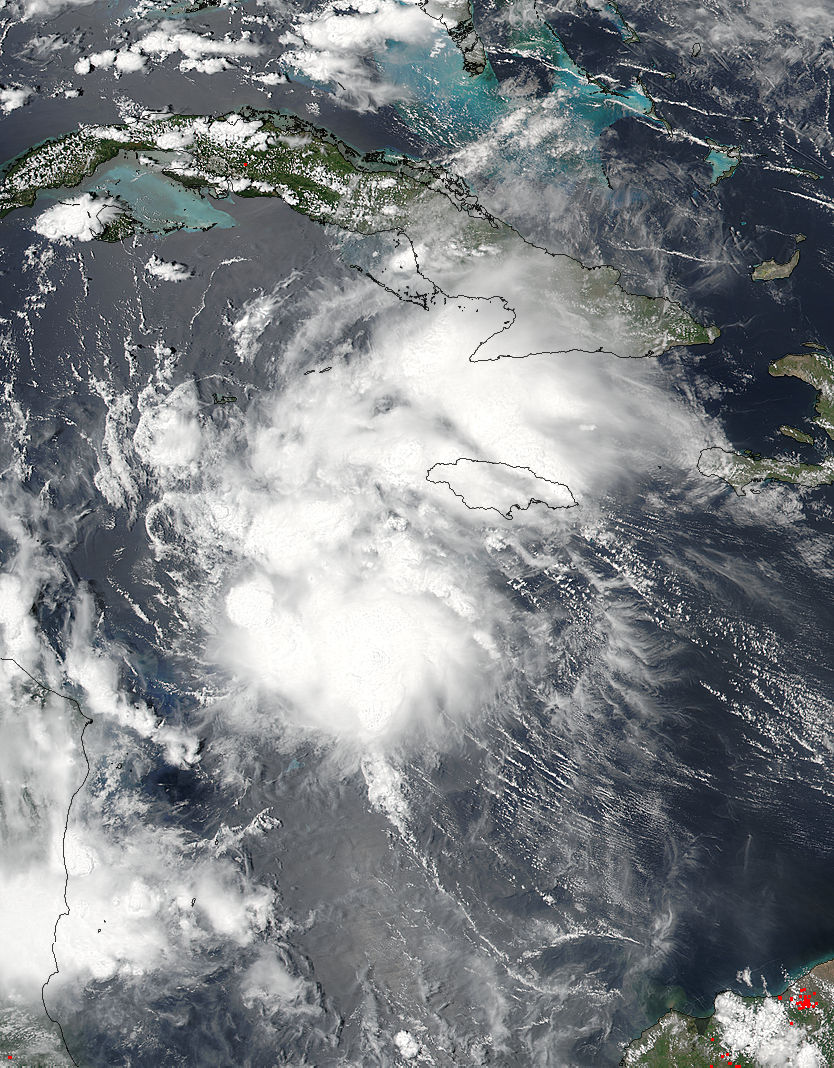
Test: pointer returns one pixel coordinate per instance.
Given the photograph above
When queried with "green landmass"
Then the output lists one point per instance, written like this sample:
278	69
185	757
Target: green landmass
740	470
772	270
250	154
123	226
269	154
794	1029
797	435
815	367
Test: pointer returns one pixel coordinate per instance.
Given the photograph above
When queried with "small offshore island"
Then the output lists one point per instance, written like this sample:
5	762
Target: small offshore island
792	1030
797	435
816	367
773	270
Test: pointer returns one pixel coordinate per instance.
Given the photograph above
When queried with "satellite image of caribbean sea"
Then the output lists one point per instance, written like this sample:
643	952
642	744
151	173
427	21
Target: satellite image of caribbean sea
417	533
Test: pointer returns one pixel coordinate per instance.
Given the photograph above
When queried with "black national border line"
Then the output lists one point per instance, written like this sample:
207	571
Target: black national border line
428	300
490	507
441	181
87	721
458	32
452	187
457	191
741	491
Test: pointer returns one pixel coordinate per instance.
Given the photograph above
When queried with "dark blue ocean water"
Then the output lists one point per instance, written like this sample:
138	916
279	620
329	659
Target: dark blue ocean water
680	802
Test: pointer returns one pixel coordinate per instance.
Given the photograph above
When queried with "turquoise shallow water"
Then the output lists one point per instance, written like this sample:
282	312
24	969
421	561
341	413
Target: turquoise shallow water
157	202
444	104
616	16
595	107
722	165
452	110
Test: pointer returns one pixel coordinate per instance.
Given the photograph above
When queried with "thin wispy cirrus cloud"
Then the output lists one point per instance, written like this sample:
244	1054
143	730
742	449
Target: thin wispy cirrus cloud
147	902
349	591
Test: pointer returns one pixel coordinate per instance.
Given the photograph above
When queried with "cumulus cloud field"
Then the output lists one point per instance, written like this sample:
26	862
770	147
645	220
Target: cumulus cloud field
167	270
344	543
81	218
142	898
334	45
349	586
327	586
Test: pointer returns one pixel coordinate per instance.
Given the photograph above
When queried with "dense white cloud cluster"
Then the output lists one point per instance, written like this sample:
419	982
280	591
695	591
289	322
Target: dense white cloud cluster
144	901
81	218
124	61
332	575
338	603
13	97
491	486
167	435
407	1045
200	52
150	900
167	270
332	45
762	1032
347	586
258	313
40	767
33	10
268	986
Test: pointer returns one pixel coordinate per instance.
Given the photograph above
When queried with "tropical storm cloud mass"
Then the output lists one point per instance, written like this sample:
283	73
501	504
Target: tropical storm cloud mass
415	523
